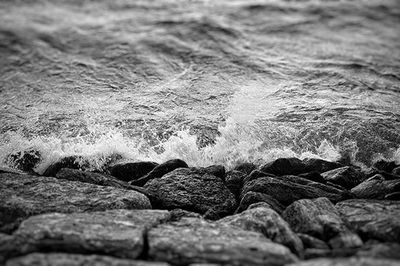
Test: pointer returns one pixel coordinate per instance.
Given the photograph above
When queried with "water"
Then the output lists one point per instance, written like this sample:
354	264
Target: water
205	81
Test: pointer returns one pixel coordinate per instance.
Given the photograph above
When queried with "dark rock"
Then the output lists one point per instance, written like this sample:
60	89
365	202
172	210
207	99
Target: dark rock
312	253
92	178
310	242
234	182
72	162
11	171
192	240
373	219
64	259
24	195
217	170
25	160
245	168
347	177
396	171
376	187
191	189
132	171
393	196
284	166
319	165
255	197
319	218
386	166
388	176
221	210
256	174
119	233
313	176
346	262
266	221
380	250
159	171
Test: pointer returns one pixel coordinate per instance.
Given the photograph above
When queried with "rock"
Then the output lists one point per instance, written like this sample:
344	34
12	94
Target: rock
64	259
319	165
347	177
190	189
72	162
313	176
119	233
380	250
234	182
284	166
159	171
373	219
312	253
310	242
268	222
25	160
22	196
396	171
255	175
287	192
245	168
376	187
192	240
89	177
217	170
255	197
132	171
319	218
346	262
386	166
393	196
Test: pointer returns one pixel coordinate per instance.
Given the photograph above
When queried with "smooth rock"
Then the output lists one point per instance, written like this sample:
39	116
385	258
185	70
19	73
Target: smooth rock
319	218
64	259
159	171
346	262
22	196
72	162
373	219
376	187
268	222
132	171
347	176
192	240
319	165
284	166
388	250
254	197
312	242
191	189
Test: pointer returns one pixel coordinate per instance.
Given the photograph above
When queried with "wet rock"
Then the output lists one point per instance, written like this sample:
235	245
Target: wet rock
192	240
319	218
234	182
380	250
312	253
119	233
319	165
25	160
63	259
245	168
159	171
396	171
386	166
376	187
72	162
217	170
310	242
346	262
313	176
132	171
347	177
191	189
89	177
284	166
268	222
254	197
287	192
255	175
373	219
22	196
393	196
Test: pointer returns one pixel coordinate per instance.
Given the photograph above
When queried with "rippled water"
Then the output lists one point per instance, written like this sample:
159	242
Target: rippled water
205	81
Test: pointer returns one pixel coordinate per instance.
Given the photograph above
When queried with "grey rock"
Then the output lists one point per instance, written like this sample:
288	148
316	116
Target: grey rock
393	196
284	166
312	242
25	160
245	168
373	219
22	196
319	218
313	176
63	259
217	170
396	171
193	240
376	187
131	171
319	165
312	253
386	166
388	250
266	221
347	176
72	162
255	175
255	197
347	262
234	182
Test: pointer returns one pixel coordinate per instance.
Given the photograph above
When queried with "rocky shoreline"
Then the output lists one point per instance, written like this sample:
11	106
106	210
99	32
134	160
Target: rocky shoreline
287	212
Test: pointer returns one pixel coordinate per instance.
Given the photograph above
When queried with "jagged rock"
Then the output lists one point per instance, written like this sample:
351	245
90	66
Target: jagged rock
119	233
319	218
313	176
90	177
22	196
312	242
6	242
373	219
132	171
72	162
346	262
234	182
376	187
347	176
396	171
393	196
63	259
386	166
159	171
284	166
192	240
287	192
25	160
217	170
245	168
191	189
319	165
266	221
255	175
254	197
380	250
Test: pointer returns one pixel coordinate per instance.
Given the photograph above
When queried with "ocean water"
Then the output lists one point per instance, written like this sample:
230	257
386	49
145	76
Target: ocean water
210	82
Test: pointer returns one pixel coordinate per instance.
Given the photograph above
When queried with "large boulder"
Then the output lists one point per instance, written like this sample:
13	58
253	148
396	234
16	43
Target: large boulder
22	196
191	189
193	240
131	171
386	166
266	221
119	233
319	165
72	162
373	219
347	176
284	166
346	262
255	197
376	187
319	218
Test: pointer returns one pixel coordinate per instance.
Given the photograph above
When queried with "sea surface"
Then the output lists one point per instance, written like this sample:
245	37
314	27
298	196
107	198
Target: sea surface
210	82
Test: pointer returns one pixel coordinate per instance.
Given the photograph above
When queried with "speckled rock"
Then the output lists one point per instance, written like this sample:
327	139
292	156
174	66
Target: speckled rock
389	250
131	171
347	262
255	197
347	176
376	187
